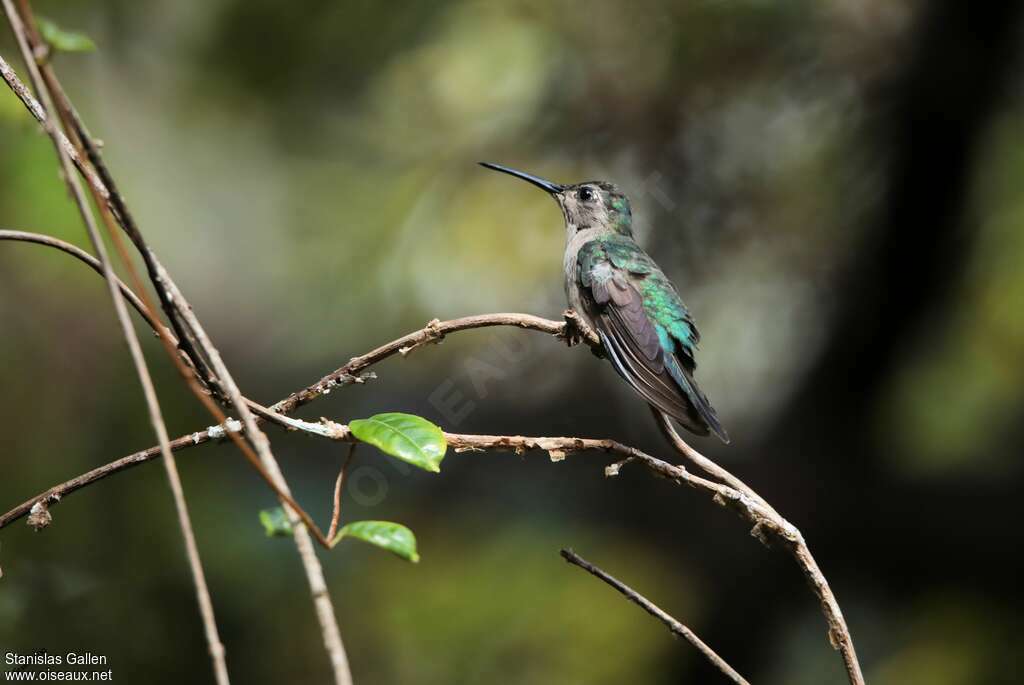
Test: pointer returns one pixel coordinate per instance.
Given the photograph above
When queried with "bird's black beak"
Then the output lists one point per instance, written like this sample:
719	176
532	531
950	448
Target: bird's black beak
550	187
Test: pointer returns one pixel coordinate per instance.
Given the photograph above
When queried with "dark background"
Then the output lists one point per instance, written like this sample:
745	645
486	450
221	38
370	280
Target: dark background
833	186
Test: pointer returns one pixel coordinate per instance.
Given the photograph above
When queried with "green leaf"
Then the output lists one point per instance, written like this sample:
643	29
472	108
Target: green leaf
405	436
64	41
275	522
394	537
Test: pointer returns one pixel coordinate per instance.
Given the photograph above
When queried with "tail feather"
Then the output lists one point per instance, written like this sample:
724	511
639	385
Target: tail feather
697	398
675	393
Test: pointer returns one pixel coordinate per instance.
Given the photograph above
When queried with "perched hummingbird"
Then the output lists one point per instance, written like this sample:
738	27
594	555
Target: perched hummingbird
618	290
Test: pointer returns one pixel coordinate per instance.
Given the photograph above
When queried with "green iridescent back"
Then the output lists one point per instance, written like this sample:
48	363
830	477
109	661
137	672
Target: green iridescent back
661	302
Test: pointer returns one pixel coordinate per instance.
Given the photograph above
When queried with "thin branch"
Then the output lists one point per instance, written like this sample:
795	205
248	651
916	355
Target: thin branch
433	332
192	369
766	521
650	607
338	485
838	632
92	262
556	447
703	463
186	342
216	647
37	112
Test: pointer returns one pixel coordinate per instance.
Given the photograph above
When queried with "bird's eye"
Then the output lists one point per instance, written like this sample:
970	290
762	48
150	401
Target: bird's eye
586	194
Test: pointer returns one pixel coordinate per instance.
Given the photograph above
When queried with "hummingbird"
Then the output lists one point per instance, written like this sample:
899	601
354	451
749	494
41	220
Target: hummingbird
620	293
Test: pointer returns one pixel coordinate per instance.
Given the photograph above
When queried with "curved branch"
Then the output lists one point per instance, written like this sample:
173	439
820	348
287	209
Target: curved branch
90	261
569	330
145	312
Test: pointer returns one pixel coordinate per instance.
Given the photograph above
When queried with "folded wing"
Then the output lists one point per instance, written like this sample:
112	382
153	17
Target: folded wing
647	332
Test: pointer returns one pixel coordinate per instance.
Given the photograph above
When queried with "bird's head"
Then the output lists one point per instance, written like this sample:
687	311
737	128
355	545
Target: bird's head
588	205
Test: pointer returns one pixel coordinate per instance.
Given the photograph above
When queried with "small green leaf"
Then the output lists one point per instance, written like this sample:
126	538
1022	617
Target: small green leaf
394	537
405	436
275	522
64	41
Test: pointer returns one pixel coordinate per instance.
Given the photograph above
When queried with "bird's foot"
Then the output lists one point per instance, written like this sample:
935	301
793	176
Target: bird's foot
578	331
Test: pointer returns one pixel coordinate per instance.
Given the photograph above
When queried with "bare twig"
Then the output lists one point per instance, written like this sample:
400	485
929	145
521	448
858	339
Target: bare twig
338	485
838	633
702	462
433	332
37	112
166	335
214	643
86	258
650	607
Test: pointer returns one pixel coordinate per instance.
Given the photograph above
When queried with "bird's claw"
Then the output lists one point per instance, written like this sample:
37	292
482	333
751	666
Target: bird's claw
572	334
578	331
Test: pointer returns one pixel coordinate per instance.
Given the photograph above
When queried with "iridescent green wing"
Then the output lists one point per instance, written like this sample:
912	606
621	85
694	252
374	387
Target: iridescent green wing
648	332
676	328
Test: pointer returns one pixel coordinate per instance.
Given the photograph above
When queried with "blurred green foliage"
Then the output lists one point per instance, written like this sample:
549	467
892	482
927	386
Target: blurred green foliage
275	523
64	40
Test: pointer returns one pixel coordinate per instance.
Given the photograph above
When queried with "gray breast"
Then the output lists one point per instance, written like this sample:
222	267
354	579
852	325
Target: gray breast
571	266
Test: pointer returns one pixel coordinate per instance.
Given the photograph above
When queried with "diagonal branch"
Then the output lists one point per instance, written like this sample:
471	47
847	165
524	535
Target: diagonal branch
650	607
37	112
214	643
102	184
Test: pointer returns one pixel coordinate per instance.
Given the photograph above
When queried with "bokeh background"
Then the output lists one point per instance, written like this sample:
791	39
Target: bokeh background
835	187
